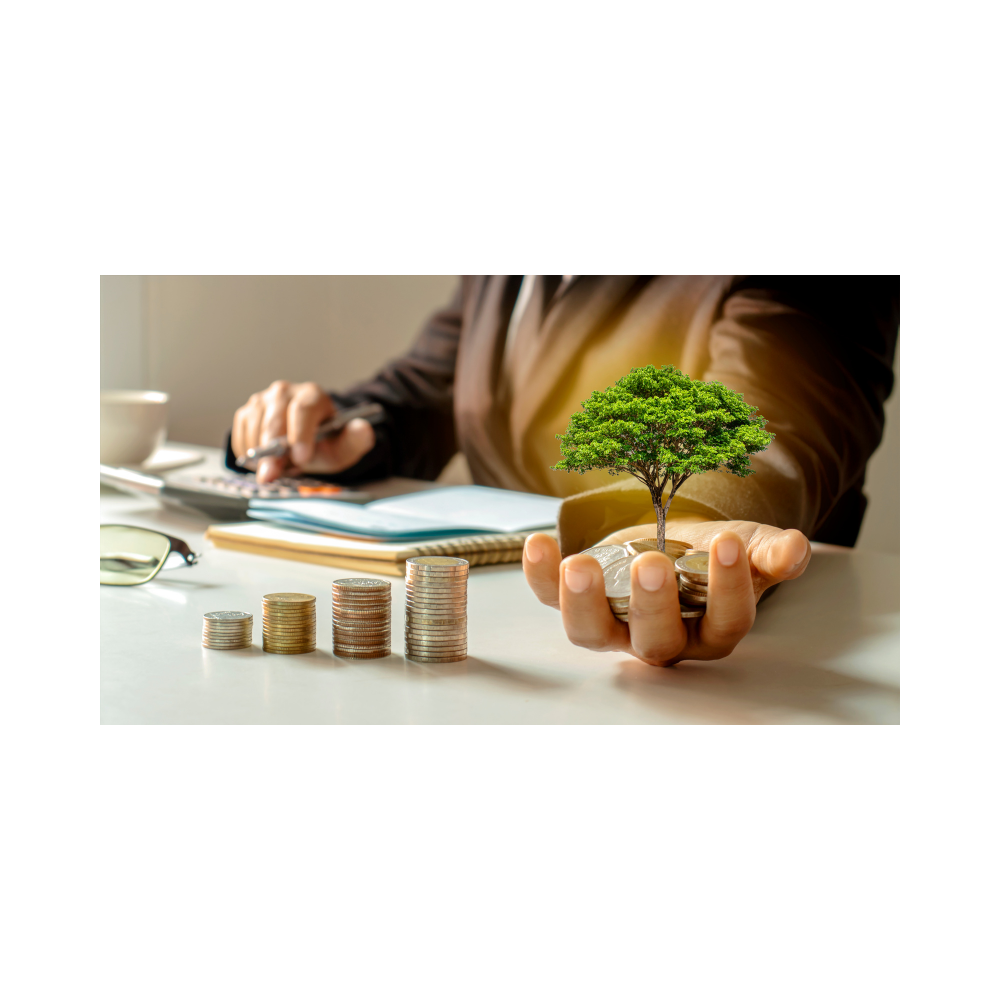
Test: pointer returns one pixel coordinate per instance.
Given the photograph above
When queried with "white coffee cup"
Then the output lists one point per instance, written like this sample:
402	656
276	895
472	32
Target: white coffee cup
133	425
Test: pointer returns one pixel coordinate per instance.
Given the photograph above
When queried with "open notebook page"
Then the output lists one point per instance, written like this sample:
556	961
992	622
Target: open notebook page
450	509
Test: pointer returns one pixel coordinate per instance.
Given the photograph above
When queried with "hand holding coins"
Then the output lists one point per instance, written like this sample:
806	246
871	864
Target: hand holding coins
616	563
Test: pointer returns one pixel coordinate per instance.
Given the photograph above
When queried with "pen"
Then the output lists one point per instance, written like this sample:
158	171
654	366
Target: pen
279	446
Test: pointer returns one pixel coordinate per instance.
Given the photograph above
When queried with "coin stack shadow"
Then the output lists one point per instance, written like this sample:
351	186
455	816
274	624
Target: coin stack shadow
692	571
226	630
289	623
362	618
436	626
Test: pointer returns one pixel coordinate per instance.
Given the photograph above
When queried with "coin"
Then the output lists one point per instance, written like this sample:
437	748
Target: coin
694	564
290	598
688	584
689	612
436	659
691	598
436	620
606	554
444	562
375	654
361	583
671	547
227	616
416	641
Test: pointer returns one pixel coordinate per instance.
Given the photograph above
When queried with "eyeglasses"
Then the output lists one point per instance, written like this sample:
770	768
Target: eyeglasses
130	556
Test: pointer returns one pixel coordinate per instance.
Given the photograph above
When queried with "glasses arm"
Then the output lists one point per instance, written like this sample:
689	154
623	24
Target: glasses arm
180	546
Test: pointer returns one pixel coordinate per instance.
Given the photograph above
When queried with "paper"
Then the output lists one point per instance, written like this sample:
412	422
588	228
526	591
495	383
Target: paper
420	515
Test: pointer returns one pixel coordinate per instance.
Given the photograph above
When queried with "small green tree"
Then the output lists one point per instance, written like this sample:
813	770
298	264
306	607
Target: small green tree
662	427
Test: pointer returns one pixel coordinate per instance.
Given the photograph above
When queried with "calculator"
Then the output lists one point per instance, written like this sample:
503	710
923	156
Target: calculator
225	497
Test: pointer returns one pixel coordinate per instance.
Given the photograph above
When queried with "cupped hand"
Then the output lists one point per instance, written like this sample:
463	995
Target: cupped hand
294	410
745	558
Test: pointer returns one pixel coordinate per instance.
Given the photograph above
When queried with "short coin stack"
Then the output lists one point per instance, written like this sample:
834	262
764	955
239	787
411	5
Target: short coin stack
692	568
362	618
226	630
436	629
289	623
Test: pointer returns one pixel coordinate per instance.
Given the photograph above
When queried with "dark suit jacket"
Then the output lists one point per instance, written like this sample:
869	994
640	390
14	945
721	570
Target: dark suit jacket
814	354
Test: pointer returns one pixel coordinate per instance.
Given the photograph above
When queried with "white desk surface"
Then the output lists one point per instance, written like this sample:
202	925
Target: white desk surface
824	649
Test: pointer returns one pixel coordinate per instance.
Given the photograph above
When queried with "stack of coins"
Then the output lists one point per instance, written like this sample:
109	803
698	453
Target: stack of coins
616	562
289	623
692	568
226	630
436	629
362	618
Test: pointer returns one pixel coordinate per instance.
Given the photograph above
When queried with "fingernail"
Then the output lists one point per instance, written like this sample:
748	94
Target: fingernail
577	581
651	578
728	551
532	550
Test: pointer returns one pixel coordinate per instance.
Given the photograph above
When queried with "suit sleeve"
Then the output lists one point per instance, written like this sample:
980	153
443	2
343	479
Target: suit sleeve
814	355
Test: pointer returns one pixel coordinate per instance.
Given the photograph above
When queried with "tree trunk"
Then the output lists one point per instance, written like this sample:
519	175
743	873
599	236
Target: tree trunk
661	523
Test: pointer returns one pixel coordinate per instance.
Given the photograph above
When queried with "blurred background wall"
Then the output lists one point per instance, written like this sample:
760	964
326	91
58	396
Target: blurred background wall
212	341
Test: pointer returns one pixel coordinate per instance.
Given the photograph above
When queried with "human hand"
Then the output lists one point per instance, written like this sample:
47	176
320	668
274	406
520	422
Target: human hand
294	410
745	558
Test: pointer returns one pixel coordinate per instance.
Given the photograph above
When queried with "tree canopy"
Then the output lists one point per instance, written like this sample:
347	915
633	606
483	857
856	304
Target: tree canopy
661	426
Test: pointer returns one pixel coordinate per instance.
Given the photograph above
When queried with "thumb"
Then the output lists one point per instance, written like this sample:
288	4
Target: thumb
780	555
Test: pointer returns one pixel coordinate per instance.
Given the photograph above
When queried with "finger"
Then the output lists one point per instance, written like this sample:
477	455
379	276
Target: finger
540	560
252	421
657	631
732	606
344	449
274	423
586	613
780	555
309	407
237	437
271	467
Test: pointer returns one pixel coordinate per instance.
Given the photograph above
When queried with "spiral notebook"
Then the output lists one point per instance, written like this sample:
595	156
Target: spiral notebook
388	558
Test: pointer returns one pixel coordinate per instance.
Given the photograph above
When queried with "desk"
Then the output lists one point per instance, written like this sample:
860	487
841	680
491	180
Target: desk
824	649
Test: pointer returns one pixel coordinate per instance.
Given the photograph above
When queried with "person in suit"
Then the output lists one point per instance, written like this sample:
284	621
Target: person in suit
497	373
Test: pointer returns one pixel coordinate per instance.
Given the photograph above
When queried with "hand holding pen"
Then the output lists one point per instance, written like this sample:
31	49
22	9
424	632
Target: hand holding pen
291	428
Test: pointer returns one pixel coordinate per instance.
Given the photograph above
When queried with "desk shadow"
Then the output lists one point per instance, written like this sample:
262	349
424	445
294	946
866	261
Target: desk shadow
471	666
831	611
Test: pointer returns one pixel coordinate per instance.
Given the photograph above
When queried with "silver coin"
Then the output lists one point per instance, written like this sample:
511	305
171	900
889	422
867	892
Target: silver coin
442	562
435	620
430	647
618	577
436	659
361	600
437	589
228	616
436	629
226	645
694	564
361	583
606	554
688	584
377	654
690	612
690	598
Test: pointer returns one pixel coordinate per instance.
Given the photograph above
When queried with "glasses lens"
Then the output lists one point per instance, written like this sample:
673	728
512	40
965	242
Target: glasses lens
131	555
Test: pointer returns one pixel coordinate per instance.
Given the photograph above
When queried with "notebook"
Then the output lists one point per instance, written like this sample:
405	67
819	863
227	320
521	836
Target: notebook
388	558
427	515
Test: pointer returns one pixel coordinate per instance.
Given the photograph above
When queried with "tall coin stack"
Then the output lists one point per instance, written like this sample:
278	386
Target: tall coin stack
362	618
289	623
692	568
226	630
436	629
